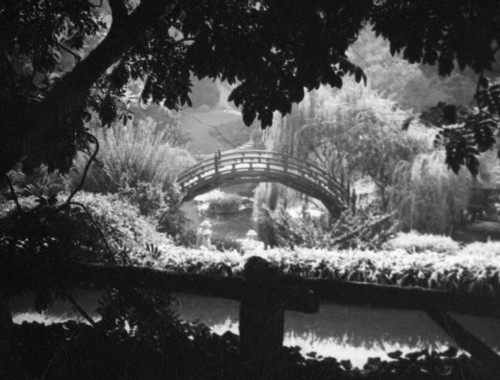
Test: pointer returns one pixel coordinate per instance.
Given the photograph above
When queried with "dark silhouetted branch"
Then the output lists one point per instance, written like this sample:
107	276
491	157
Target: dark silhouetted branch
118	11
78	308
13	193
87	167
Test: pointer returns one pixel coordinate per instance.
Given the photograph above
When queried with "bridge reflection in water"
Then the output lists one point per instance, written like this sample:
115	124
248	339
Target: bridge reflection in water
263	166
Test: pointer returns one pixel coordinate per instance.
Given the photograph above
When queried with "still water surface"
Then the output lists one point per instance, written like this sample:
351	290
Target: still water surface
344	332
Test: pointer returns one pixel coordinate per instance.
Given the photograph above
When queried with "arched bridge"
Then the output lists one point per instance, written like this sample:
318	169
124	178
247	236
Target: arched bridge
264	166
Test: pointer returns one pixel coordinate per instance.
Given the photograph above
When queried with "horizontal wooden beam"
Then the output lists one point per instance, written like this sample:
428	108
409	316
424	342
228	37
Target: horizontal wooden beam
97	276
291	288
387	296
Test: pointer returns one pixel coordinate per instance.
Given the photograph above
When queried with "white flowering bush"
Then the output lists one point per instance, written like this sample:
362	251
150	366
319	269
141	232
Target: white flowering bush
414	242
489	249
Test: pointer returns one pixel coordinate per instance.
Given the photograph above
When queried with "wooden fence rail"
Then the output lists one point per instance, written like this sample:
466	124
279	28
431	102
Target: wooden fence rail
264	295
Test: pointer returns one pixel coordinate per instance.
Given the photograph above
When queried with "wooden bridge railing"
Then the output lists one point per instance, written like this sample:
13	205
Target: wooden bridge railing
258	165
264	295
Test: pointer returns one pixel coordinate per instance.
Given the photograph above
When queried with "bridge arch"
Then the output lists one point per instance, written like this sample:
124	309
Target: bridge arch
263	166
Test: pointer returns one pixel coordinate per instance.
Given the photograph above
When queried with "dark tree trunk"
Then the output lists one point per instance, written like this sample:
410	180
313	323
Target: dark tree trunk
67	99
6	326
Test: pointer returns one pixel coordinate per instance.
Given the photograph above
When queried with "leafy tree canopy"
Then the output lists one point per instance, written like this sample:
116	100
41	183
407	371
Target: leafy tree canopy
61	60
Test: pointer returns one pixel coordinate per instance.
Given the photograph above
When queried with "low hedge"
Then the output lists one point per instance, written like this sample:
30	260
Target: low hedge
470	270
474	268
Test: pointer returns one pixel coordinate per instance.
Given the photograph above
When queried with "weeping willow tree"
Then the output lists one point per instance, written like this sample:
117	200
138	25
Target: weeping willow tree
351	134
356	132
430	198
281	139
427	196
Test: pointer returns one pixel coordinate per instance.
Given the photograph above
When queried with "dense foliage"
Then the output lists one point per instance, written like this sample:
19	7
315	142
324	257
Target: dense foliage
472	269
69	350
132	154
414	86
414	242
128	326
161	45
355	133
64	64
427	261
61	60
224	203
428	197
360	230
95	228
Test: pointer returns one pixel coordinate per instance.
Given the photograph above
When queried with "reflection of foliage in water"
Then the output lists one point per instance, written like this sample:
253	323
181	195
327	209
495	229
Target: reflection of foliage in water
342	325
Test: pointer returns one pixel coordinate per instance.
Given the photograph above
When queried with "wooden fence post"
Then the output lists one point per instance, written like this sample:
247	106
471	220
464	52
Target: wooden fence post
262	318
261	322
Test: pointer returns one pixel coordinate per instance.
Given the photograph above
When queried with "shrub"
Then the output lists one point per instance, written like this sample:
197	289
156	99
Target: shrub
362	230
224	203
191	351
460	272
223	244
414	242
187	238
39	183
490	248
111	227
122	222
151	199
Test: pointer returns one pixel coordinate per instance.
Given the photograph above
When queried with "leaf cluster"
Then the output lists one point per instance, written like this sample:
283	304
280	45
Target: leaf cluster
445	33
476	133
271	51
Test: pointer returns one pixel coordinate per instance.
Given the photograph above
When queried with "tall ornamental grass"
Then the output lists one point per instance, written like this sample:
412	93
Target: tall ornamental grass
130	155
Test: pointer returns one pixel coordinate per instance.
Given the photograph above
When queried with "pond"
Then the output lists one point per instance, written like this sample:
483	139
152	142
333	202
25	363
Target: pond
344	332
